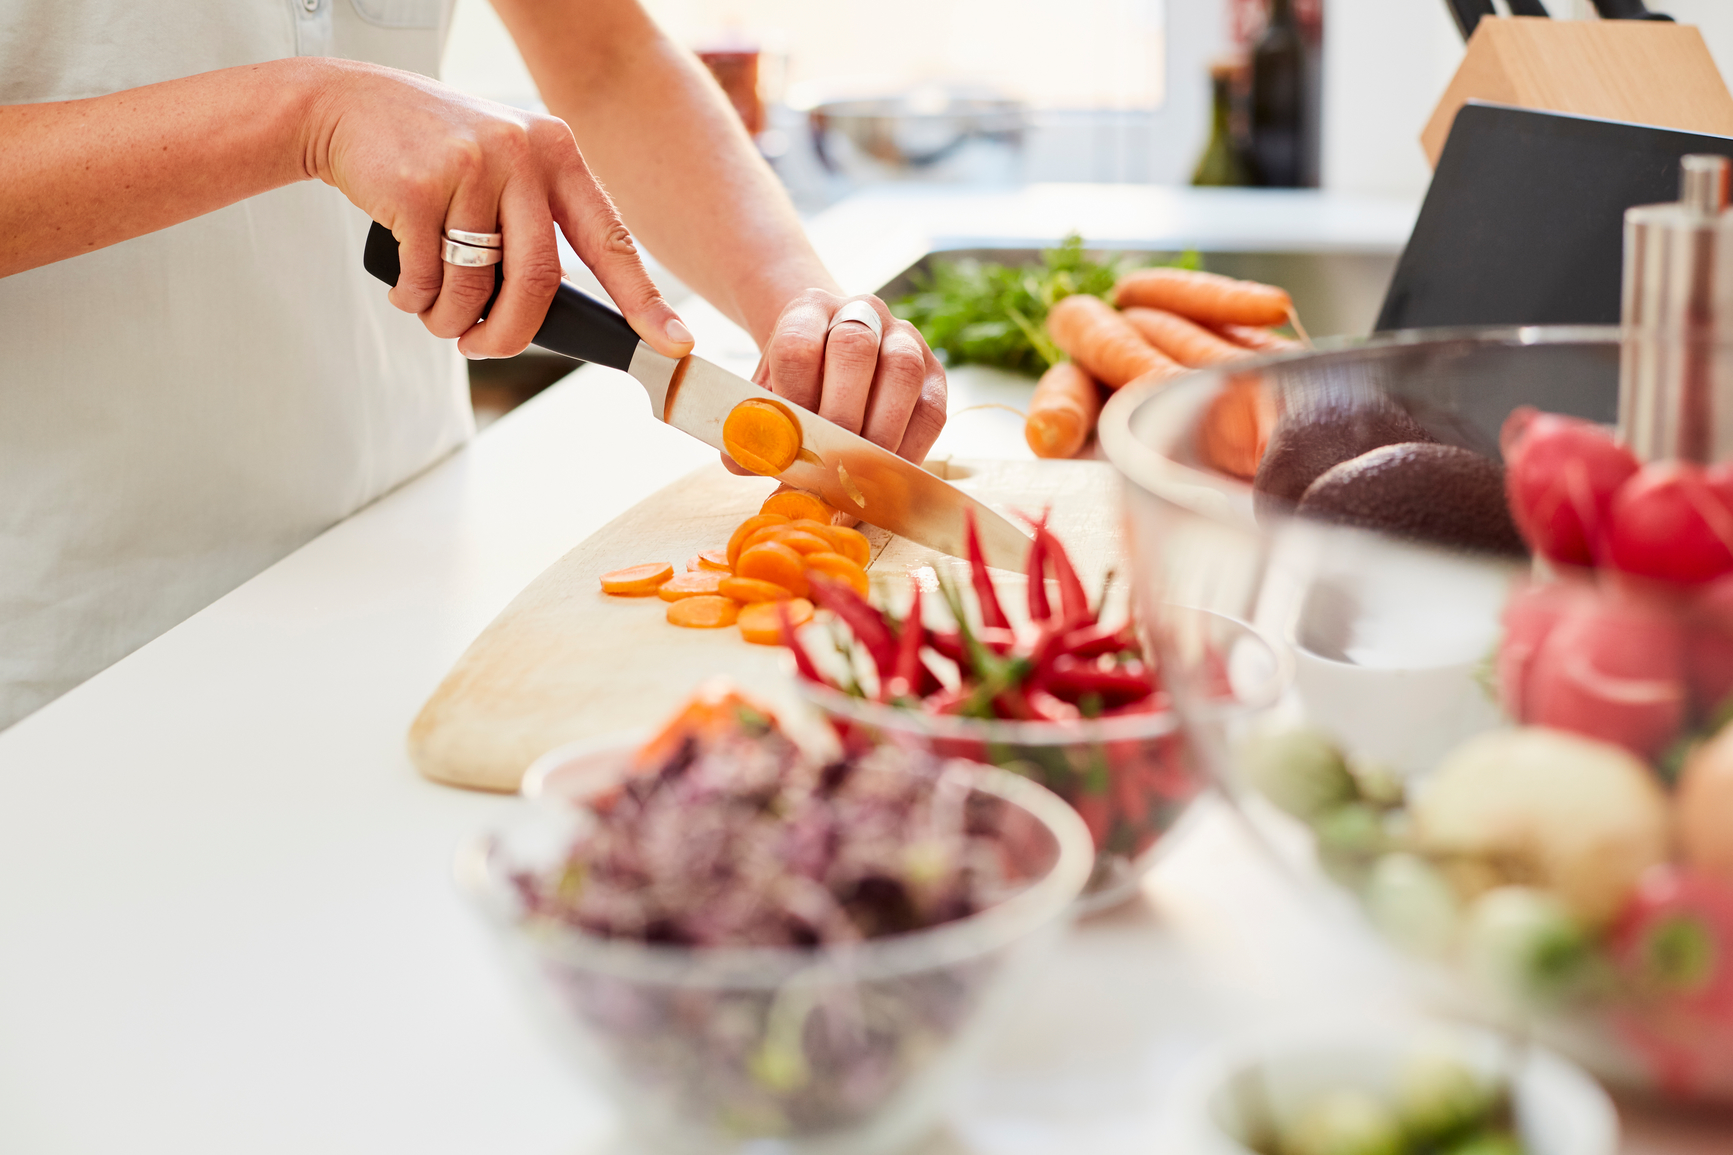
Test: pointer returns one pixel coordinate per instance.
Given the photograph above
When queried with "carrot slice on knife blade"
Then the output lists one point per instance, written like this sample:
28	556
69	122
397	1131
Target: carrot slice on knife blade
761	436
637	581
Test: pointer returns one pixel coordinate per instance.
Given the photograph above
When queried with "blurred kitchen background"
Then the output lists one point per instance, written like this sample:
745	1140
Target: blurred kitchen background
1013	92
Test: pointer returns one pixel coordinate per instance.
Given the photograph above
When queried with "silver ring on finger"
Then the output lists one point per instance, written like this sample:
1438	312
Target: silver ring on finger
862	312
476	240
468	256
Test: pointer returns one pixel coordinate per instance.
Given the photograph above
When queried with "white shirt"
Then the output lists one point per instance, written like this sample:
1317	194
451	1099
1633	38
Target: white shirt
181	410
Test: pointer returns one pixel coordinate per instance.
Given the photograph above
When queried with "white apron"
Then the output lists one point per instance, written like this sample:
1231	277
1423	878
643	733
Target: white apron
181	410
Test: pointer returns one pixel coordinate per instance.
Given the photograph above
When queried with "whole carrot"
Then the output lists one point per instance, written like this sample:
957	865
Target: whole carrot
1062	412
1184	340
1257	339
1095	336
1207	297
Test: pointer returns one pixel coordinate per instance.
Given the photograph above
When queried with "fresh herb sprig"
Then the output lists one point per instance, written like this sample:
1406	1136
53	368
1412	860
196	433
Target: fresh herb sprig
993	314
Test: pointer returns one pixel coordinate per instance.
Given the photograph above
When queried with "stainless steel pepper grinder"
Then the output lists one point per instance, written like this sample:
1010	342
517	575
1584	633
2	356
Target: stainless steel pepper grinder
1675	375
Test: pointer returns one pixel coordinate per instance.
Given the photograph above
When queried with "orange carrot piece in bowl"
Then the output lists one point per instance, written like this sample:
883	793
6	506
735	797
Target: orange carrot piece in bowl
1095	336
1207	297
1062	412
737	540
798	505
708	612
837	566
761	624
761	436
1181	338
690	585
772	562
716	559
751	590
637	581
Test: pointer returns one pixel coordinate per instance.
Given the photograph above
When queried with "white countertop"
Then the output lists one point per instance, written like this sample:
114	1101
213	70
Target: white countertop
226	918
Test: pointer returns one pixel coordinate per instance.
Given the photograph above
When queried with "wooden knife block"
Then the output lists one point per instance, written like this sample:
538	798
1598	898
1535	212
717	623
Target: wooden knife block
1646	72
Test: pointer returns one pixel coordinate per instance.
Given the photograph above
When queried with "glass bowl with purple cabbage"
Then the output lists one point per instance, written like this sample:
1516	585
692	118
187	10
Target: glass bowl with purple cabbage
743	941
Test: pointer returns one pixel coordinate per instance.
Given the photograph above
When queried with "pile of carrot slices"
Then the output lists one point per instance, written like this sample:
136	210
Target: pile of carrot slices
764	571
1167	321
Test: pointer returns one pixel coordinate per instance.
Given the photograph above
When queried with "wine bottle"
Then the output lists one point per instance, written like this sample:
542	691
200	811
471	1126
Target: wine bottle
1284	115
1221	163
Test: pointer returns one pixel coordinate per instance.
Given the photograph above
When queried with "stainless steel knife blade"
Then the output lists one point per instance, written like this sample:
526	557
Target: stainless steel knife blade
847	470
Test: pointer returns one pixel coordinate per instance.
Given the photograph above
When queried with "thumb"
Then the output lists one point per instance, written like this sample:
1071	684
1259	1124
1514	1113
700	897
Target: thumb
593	225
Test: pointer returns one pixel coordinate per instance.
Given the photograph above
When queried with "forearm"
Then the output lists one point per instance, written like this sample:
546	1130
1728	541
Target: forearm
672	153
78	175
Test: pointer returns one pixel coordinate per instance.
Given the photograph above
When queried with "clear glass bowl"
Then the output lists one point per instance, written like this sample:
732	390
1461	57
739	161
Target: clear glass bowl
1397	649
1131	778
842	1050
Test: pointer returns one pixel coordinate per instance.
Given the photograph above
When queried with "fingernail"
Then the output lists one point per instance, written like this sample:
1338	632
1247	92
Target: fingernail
677	332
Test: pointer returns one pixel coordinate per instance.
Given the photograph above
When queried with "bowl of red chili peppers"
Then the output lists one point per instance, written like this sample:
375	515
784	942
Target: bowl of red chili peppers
1061	690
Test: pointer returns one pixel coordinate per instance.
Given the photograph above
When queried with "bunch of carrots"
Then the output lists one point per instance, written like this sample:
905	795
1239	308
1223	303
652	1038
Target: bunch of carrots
1071	666
771	558
1168	321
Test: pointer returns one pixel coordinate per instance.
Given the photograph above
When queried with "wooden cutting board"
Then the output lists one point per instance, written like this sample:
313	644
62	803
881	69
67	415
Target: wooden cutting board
565	661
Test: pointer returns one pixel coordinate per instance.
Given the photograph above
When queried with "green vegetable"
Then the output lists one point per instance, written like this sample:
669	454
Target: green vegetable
1409	900
1298	769
1345	1122
1524	944
1440	1097
1486	1143
992	314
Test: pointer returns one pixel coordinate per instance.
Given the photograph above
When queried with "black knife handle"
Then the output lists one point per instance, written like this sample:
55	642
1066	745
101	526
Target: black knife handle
577	324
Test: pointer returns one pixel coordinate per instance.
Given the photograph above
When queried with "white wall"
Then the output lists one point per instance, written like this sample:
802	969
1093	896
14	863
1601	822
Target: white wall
1386	63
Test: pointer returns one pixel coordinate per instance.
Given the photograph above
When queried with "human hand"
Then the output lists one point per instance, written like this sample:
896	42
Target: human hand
420	158
889	389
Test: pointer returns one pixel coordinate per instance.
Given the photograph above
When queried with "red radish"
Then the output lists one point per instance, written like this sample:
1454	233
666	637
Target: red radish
1560	476
1667	523
1612	668
1529	616
1674	940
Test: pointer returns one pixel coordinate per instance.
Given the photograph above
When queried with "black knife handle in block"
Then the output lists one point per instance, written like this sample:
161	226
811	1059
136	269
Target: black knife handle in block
577	324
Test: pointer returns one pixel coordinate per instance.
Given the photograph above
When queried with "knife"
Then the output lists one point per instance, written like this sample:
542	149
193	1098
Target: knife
696	396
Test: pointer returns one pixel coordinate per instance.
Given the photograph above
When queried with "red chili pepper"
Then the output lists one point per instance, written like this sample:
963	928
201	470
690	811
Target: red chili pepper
1093	641
1039	610
1073	678
1052	708
992	613
905	673
1073	602
947	644
948	701
802	660
1000	640
868	624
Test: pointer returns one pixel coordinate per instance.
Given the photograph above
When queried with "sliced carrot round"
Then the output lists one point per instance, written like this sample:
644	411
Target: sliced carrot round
752	590
706	612
761	436
796	505
802	542
737	541
637	581
716	559
852	544
690	585
837	566
776	563
762	623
